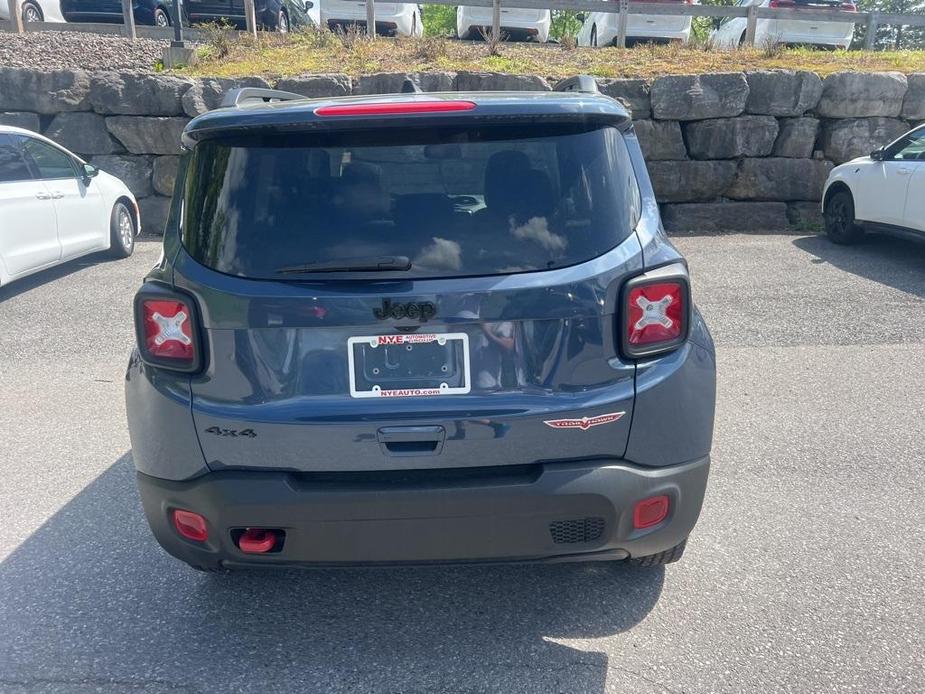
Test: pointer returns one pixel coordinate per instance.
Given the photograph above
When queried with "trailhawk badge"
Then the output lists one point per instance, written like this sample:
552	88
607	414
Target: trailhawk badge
584	423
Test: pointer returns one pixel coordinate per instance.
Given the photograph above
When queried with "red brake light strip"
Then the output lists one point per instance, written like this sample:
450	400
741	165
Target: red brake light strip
394	108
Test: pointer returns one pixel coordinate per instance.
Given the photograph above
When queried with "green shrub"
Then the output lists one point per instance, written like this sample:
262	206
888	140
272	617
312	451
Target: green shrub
439	20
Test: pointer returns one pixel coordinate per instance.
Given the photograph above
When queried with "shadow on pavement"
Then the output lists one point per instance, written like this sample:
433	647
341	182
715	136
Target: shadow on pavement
895	262
90	598
69	268
39	279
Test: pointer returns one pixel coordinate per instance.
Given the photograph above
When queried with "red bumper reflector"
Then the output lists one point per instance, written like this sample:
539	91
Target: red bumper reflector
257	541
190	525
651	511
385	108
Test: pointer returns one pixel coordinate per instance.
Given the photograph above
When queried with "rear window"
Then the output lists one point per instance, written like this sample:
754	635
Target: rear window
453	202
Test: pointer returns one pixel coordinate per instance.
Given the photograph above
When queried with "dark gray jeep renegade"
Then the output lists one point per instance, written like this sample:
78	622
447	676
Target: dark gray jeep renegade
418	328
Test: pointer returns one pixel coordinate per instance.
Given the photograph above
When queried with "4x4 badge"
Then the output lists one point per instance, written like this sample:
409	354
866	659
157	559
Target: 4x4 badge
584	423
422	311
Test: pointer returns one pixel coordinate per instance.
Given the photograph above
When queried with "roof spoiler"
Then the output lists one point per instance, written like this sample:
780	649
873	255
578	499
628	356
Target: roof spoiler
237	97
579	83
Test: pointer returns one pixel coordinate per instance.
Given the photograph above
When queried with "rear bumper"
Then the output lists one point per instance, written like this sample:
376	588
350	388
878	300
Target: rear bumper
552	512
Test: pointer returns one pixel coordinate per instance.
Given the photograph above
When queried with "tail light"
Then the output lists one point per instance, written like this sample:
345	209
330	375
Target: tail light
656	312
651	511
848	7
190	525
167	329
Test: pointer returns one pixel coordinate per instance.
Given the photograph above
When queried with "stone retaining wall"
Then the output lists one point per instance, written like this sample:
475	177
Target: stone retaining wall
732	151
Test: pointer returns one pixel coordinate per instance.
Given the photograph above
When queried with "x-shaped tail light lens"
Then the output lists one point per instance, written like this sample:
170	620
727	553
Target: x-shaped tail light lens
656	316
167	330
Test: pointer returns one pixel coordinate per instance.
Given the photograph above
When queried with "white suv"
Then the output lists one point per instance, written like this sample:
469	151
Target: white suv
392	18
731	31
881	192
600	28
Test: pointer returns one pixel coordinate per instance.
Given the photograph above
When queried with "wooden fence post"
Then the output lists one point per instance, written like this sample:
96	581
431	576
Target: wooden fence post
870	38
371	19
622	20
751	27
128	20
496	21
16	16
250	17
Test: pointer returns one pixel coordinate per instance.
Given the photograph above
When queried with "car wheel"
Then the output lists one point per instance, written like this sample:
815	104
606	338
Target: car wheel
593	40
839	219
282	22
667	557
121	231
32	13
161	18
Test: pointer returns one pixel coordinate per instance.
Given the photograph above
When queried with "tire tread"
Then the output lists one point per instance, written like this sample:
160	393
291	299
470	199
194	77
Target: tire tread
669	556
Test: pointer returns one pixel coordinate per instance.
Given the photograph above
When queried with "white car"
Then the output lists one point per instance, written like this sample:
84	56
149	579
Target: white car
35	11
881	192
55	207
731	31
600	28
392	18
527	25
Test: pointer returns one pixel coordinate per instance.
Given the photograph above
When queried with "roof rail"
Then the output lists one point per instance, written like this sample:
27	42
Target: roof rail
579	83
236	97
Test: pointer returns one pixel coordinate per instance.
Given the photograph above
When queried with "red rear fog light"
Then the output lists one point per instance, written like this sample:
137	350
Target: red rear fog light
190	525
651	511
258	540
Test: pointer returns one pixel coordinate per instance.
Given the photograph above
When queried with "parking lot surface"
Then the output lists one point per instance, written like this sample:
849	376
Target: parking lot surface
805	573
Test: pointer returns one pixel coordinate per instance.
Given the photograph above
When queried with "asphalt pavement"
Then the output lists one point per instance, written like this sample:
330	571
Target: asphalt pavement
806	572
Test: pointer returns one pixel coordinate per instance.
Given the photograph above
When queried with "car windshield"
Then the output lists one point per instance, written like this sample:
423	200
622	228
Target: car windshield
455	202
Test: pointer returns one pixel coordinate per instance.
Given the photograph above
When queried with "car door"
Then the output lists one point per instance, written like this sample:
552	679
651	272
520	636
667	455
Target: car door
209	10
912	158
83	223
883	184
28	227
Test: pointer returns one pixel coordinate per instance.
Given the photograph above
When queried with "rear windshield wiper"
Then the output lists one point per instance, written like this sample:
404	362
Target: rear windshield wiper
374	263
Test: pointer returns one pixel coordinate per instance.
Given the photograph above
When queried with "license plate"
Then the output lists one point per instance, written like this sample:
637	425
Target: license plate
408	365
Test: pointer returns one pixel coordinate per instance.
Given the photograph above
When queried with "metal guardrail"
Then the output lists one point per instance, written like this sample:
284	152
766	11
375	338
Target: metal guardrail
623	9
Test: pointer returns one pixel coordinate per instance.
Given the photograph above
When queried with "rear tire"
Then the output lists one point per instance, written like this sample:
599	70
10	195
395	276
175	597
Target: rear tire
161	18
667	557
282	22
838	215
593	40
31	12
122	231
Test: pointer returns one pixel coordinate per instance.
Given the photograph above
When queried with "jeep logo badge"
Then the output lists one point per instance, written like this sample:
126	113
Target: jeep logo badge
422	311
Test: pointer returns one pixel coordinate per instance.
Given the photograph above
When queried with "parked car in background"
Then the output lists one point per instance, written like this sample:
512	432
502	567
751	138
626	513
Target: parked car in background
275	15
883	192
813	32
55	207
600	28
516	24
392	18
35	11
150	12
